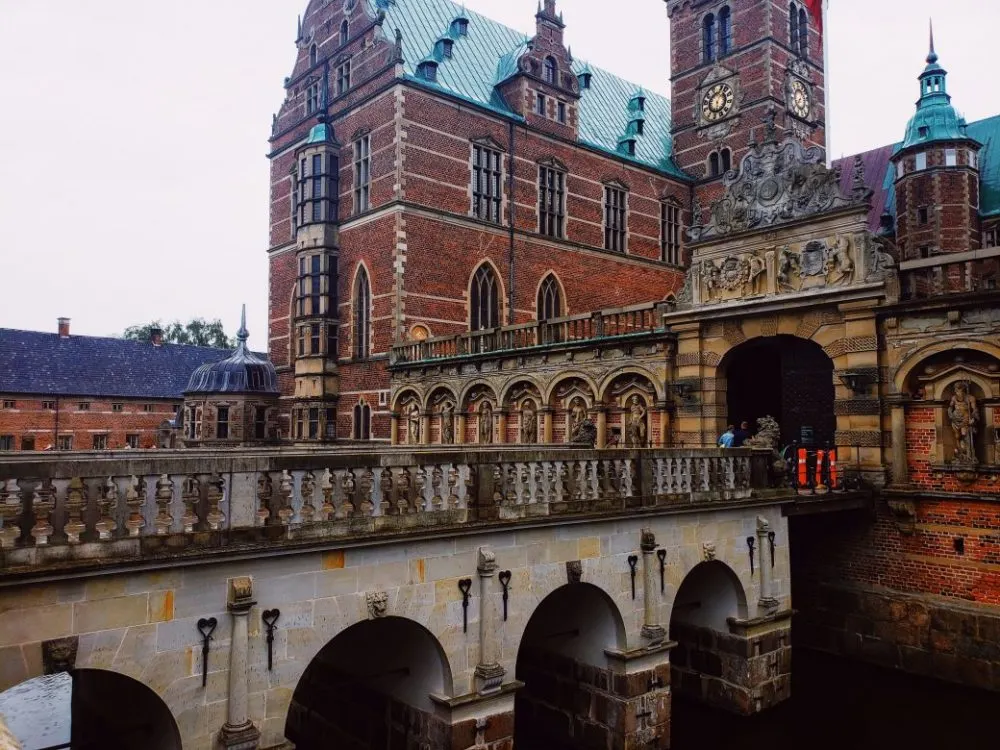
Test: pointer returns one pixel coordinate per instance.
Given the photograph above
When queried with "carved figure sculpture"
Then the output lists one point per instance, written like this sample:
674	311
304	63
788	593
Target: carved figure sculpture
839	266
378	603
768	434
963	413
485	423
635	430
448	423
788	265
529	423
755	274
413	425
577	416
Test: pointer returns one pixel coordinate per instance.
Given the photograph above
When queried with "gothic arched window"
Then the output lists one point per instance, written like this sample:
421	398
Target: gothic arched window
549	299
725	32
803	38
362	421
484	299
313	55
550	70
713	164
345	32
708	38
726	160
793	25
362	315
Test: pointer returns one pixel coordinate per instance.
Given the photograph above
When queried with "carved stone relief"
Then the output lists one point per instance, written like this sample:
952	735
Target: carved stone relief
529	422
378	603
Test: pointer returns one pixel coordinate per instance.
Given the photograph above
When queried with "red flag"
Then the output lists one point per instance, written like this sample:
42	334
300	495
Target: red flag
815	8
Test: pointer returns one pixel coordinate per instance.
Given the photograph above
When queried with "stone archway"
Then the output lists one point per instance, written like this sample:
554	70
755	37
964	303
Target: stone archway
370	689
561	660
89	708
785	377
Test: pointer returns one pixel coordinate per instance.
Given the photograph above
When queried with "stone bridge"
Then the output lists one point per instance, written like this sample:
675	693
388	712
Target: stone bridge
454	597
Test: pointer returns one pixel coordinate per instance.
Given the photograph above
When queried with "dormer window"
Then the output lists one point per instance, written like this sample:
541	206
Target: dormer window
428	70
551	70
627	146
924	131
640	126
444	48
460	26
584	79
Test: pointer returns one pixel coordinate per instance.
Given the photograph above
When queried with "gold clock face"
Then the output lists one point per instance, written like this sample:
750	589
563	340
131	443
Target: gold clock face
800	104
717	102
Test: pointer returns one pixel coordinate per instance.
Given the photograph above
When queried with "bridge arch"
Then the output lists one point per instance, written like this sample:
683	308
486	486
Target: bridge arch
370	687
89	708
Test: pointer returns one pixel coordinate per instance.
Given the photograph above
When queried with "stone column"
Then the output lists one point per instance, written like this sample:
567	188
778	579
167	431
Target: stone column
602	427
460	428
489	673
239	733
664	423
501	427
897	402
425	428
651	628
394	428
764	563
546	424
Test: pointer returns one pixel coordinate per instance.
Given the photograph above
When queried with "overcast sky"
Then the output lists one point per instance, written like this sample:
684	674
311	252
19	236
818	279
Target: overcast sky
133	177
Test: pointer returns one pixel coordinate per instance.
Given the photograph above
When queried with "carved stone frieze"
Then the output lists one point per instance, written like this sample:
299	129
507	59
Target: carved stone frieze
851	345
860	438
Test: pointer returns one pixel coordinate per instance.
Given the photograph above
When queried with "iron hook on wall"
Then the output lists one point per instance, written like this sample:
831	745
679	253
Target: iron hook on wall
770	540
465	586
206	626
750	545
270	618
632	561
662	554
504	577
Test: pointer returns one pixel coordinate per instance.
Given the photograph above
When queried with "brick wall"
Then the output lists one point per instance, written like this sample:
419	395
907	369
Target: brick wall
921	446
116	419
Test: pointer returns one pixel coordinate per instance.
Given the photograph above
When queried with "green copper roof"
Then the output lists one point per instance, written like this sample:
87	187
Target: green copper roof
489	53
321	133
936	119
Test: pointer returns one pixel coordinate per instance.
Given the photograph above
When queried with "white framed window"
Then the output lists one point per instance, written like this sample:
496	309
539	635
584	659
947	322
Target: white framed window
950	157
921	162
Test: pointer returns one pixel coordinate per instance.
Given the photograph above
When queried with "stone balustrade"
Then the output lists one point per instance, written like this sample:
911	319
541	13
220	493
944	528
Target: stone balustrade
626	321
77	509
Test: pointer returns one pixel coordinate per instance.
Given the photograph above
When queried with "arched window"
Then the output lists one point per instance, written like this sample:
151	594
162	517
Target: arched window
793	26
313	55
484	299
362	315
725	32
549	299
803	39
550	70
345	32
726	159
362	421
713	164
708	38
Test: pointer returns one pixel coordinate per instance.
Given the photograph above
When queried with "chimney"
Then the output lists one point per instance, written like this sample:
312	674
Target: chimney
156	336
64	328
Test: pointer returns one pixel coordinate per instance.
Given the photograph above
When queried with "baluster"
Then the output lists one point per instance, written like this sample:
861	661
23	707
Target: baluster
44	502
521	489
595	482
107	507
135	501
498	480
191	497
308	489
385	491
286	487
729	472
579	479
626	485
326	485
76	504
403	492
215	493
11	511
687	478
348	484
437	481
661	471
164	496
453	477
562	482
367	488
265	495
420	490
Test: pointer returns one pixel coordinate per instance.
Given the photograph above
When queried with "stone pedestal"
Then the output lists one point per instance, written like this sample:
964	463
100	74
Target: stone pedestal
489	673
652	631
239	733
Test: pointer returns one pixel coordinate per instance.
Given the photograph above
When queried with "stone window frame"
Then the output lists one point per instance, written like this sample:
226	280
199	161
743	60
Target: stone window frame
715	43
9	404
552	186
362	160
798	30
615	208
64	442
220	423
6	442
550	290
312	99
100	441
344	34
671	231
361	418
51	405
550	71
83	406
343	76
132	440
496	212
117	407
485	276
361	313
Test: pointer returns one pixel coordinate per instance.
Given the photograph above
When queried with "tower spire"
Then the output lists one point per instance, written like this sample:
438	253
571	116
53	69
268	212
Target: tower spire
932	55
242	335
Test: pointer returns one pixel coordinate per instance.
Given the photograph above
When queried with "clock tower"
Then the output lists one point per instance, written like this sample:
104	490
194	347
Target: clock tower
739	67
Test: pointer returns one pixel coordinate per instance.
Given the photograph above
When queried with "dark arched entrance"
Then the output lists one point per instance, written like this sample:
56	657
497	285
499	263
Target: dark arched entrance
89	709
369	689
562	663
786	377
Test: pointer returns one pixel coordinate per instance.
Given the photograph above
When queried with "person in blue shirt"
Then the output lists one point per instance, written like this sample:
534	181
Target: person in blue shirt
726	438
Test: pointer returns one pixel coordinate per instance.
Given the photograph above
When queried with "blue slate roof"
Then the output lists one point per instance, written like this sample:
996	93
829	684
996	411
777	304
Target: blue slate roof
33	362
488	54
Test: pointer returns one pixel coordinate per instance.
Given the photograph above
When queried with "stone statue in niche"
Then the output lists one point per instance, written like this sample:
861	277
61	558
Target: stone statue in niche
448	423
963	414
413	425
635	429
529	422
577	416
485	423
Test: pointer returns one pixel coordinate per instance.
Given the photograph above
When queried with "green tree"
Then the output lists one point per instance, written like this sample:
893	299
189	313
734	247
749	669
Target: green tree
196	331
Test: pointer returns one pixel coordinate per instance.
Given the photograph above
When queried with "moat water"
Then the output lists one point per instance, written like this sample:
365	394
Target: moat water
837	703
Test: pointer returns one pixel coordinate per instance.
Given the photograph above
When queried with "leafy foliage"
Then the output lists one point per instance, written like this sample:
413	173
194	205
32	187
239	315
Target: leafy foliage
196	331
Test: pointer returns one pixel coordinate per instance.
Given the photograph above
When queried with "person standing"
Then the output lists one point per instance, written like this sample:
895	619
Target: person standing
741	435
727	437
